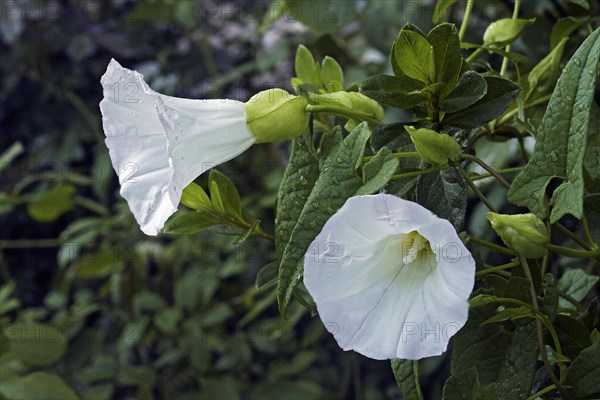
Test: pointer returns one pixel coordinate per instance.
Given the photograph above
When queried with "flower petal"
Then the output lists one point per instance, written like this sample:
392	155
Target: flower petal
159	144
369	298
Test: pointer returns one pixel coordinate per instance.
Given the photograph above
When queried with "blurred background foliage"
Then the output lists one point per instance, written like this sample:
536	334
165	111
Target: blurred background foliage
93	309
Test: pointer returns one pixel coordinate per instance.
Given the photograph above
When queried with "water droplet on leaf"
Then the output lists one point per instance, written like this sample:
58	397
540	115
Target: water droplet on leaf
577	61
554	155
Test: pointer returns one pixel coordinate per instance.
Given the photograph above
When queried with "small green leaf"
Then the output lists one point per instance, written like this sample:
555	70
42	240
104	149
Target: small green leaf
193	196
445	194
99	265
482	300
448	59
561	140
554	357
505	31
191	223
306	67
415	56
406	373
470	88
583	374
332	75
38	386
511	313
544	74
267	276
52	204
573	335
227	194
378	171
440	8
563	28
401	92
215	198
577	284
436	148
500	94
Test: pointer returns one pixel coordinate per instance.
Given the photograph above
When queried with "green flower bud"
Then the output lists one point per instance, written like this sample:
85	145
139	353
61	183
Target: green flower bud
273	115
352	105
524	233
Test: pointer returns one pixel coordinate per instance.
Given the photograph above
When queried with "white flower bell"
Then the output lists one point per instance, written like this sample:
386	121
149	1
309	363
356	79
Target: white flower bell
159	144
389	278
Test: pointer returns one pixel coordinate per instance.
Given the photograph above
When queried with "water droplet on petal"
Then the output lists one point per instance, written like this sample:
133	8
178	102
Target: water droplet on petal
182	157
174	187
176	137
122	79
132	114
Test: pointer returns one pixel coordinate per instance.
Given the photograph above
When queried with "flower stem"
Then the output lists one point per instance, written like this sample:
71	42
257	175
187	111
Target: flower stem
407	154
465	21
567	251
545	390
491	246
514	111
508	47
487	168
475	189
543	318
572	236
502	267
474	55
500	171
420	172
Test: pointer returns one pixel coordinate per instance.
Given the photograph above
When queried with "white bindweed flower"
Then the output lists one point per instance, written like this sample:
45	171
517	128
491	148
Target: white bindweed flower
389	278
159	144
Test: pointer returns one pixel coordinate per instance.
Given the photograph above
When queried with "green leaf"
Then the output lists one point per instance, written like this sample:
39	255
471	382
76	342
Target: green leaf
577	284
267	276
482	300
583	374
378	171
470	88
445	194
591	161
227	194
511	313
440	8
332	75
401	92
191	223
306	67
505	31
406	373
297	183
7	157
501	356
585	4
591	204
500	94
563	28
35	344
37	386
573	335
543	75
321	17
392	136
462	386
52	204
447	56
338	181
99	264
193	196
415	56
436	148
561	140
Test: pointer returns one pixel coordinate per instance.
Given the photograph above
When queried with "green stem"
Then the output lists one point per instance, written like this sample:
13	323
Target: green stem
586	230
572	236
571	300
475	189
500	171
487	168
31	243
508	47
541	392
514	111
91	205
543	318
407	154
474	55
502	267
567	251
465	21
420	172
491	246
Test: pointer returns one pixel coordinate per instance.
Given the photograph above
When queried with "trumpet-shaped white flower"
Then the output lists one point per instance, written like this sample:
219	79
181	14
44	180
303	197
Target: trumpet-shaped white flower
159	144
389	278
